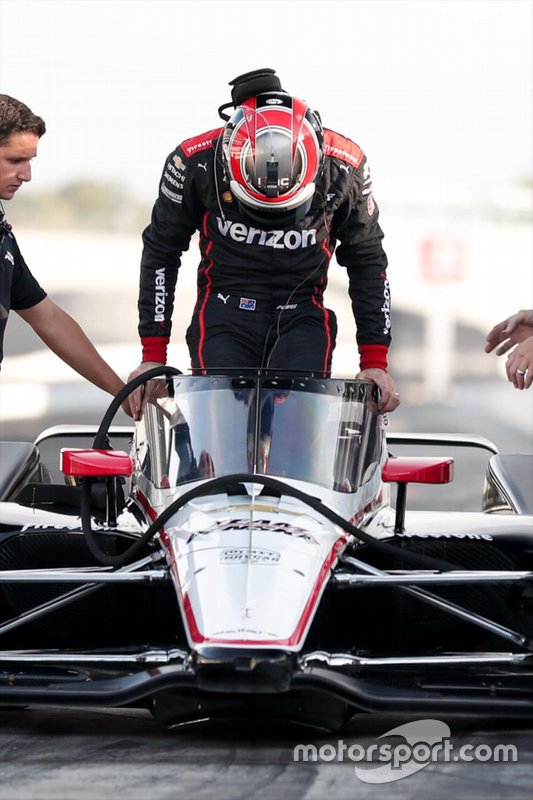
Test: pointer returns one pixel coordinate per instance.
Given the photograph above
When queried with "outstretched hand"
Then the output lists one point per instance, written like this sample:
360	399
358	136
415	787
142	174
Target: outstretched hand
511	331
389	394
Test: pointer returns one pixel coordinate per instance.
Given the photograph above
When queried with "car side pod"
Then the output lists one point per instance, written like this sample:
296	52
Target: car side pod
89	464
413	469
95	463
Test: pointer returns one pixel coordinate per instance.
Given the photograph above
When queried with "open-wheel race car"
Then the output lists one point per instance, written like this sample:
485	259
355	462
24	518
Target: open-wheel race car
236	554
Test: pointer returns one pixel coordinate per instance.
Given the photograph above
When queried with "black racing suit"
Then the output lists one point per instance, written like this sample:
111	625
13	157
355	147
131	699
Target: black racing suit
260	289
18	287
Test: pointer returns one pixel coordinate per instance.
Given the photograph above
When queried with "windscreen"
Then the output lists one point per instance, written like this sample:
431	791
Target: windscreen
324	432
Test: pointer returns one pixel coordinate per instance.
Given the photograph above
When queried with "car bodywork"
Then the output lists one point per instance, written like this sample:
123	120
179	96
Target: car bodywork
237	554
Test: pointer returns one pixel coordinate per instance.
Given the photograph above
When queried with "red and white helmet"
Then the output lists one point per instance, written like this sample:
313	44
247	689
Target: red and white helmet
272	147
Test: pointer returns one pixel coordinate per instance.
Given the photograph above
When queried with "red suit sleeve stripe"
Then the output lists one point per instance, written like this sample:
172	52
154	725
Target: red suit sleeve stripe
373	356
155	348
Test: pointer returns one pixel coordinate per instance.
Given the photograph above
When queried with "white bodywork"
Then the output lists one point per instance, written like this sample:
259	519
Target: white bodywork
250	568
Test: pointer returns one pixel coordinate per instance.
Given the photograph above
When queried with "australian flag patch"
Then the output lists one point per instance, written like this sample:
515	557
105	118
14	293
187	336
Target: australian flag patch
247	303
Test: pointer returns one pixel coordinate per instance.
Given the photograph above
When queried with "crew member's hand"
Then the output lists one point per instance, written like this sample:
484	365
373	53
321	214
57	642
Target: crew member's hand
136	399
519	364
511	331
389	394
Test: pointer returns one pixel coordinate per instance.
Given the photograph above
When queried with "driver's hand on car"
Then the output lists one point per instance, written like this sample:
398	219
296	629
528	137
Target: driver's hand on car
138	398
389	398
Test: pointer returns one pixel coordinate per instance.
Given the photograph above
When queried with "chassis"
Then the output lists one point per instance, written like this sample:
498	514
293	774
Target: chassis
237	554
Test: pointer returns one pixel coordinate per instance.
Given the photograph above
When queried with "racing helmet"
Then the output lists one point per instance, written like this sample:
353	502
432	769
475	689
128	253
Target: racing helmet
272	146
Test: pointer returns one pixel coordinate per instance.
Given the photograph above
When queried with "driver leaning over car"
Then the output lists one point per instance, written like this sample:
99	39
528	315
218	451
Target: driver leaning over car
270	193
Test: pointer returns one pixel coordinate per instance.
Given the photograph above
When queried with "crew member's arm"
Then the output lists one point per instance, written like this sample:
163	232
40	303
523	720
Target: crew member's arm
67	340
361	252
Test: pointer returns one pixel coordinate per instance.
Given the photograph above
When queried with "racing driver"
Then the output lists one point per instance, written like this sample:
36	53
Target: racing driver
270	193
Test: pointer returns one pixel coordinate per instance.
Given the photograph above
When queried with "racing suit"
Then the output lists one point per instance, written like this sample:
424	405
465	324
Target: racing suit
260	289
18	287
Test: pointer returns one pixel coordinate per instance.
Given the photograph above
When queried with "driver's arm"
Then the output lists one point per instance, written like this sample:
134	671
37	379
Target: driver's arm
361	252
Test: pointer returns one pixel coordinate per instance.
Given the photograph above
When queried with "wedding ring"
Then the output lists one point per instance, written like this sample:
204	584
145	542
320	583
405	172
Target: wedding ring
521	371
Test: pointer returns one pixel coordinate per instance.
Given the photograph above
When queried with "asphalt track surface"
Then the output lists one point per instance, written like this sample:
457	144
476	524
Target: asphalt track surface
83	755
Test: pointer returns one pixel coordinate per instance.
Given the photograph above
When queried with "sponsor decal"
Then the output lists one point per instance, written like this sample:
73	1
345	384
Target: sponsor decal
257	525
221	297
178	162
247	304
160	295
192	148
279	240
203	166
9	257
176	198
367	191
203	141
176	172
173	181
386	307
274	101
338	146
173	196
46	527
287	307
227	197
245	555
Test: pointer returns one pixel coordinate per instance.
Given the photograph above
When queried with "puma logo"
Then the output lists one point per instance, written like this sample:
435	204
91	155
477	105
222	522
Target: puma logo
224	299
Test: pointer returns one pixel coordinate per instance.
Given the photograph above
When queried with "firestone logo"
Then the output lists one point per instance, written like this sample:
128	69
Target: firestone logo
194	147
345	155
279	240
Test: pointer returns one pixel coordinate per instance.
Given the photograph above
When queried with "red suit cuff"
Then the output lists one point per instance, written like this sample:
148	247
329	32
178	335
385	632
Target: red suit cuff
373	356
155	348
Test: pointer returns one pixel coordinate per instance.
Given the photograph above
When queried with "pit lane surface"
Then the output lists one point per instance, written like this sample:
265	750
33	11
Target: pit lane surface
80	755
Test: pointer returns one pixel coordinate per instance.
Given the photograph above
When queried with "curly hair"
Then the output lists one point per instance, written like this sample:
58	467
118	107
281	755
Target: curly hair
15	117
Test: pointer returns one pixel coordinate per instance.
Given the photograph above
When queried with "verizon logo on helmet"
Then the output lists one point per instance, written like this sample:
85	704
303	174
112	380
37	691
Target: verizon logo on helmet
281	240
160	295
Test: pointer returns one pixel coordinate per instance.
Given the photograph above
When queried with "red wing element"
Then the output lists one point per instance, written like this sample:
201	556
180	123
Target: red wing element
95	463
412	469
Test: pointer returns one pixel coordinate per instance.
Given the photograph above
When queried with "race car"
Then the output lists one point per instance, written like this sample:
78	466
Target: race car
247	550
